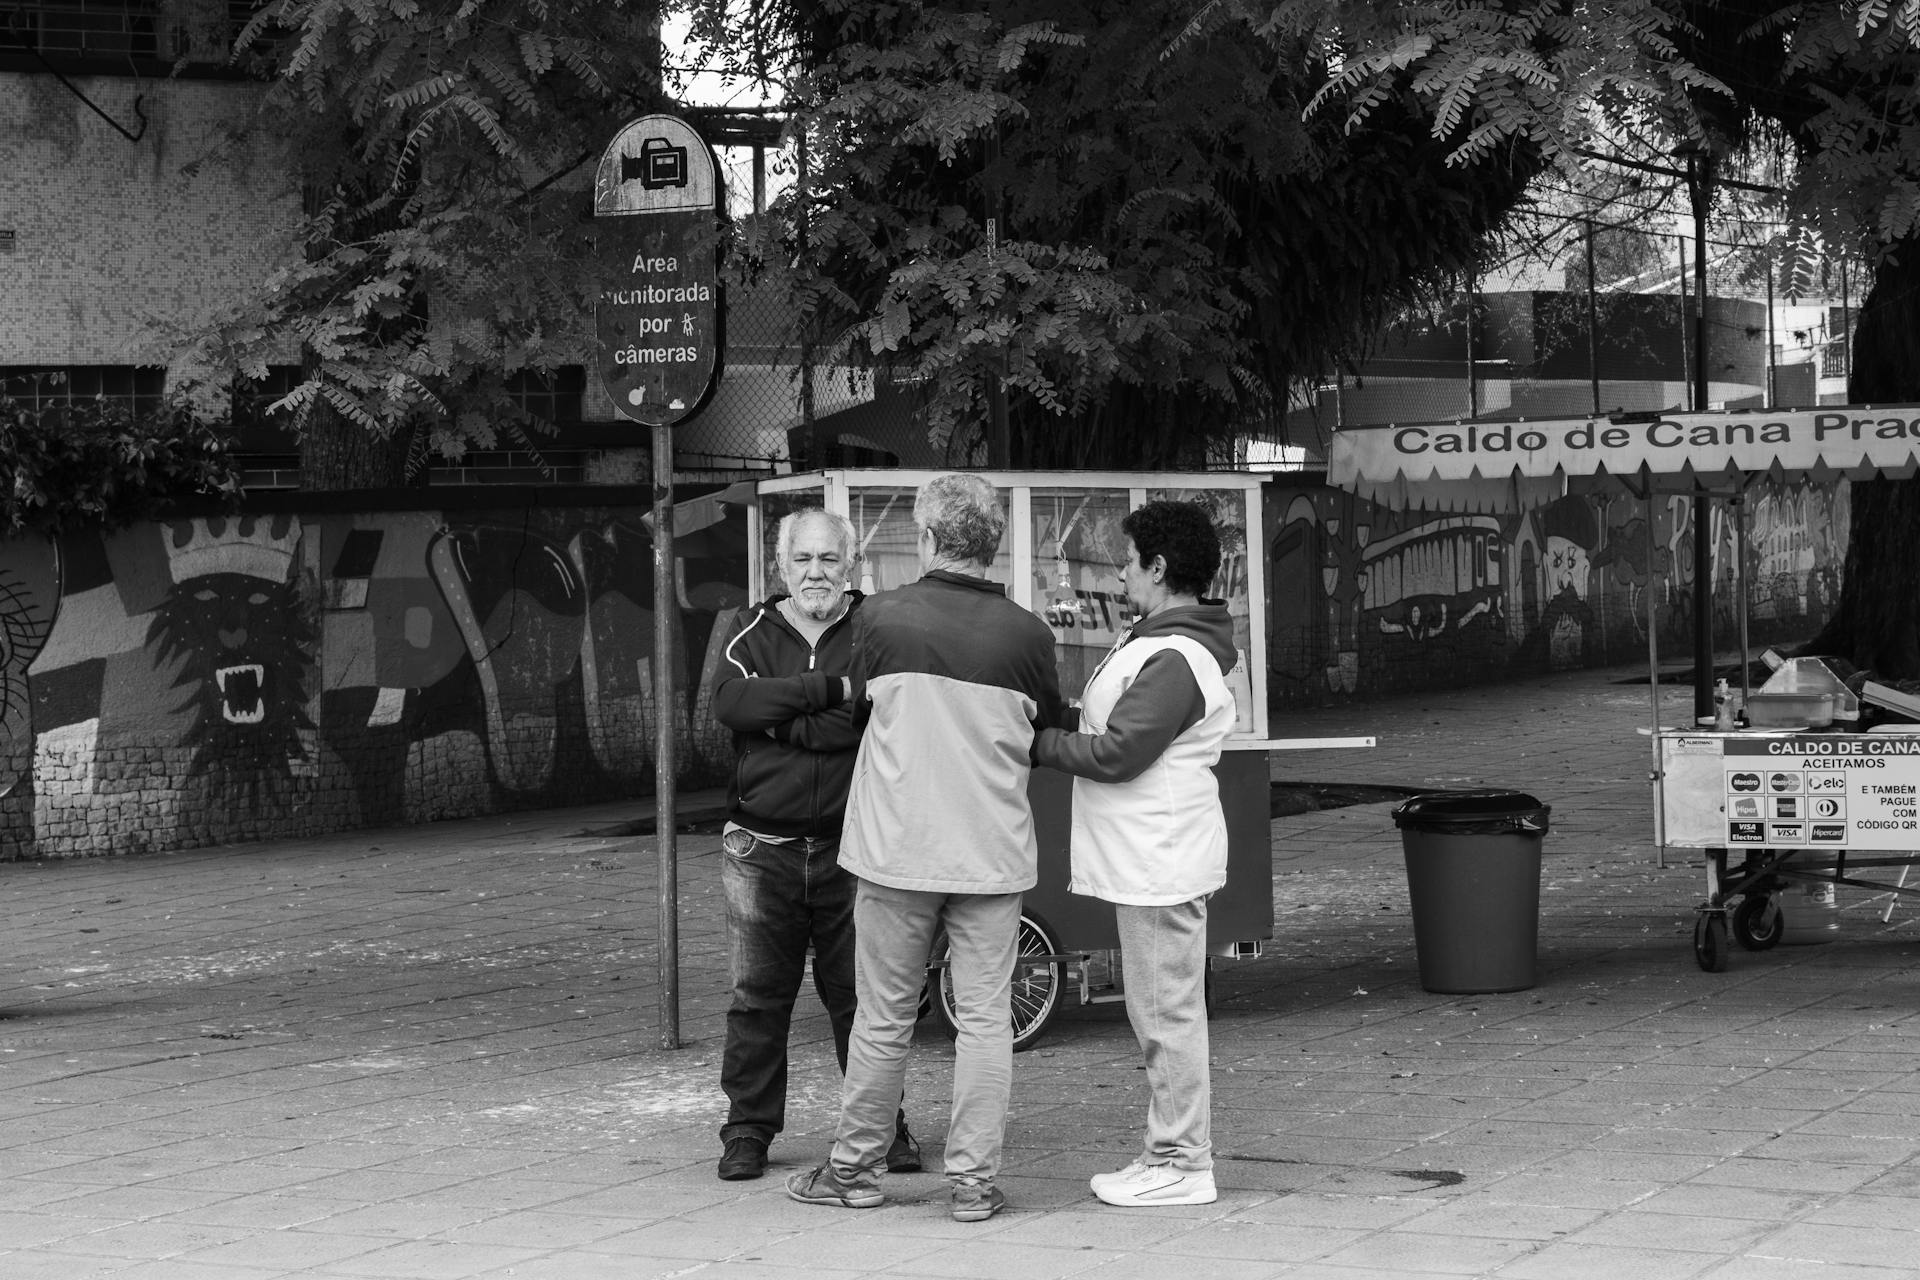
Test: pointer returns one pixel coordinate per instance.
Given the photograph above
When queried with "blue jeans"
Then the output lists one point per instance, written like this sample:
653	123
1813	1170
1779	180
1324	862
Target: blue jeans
781	899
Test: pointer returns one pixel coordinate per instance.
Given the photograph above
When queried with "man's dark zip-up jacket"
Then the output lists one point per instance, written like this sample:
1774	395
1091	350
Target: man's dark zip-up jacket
794	741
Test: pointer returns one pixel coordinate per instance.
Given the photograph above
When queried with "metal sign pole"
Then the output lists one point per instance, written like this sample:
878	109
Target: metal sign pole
659	333
665	766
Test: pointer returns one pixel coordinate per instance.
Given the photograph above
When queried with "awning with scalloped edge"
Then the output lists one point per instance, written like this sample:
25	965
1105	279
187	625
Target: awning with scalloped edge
1510	465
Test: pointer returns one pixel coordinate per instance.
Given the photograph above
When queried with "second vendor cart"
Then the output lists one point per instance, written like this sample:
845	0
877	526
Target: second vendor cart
1061	559
1701	800
1832	806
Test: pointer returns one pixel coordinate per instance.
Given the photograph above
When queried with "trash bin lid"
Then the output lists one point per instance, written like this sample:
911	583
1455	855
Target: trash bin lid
1482	812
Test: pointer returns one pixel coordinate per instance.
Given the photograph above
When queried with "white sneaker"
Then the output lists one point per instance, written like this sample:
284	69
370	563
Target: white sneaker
1099	1180
1143	1185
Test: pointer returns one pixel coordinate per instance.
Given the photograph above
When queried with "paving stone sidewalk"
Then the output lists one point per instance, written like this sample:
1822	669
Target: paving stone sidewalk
437	1051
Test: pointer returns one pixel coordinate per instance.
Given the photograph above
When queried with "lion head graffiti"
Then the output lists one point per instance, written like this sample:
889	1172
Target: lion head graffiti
234	622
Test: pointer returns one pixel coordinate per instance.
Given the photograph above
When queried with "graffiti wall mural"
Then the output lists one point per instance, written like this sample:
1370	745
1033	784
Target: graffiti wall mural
227	679
27	593
1366	600
214	680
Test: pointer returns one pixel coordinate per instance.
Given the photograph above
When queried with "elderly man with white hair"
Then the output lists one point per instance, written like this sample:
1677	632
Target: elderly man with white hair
951	679
781	689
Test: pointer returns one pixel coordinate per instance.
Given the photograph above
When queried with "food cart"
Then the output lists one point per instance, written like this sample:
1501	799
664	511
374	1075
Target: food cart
1801	794
1704	781
1060	559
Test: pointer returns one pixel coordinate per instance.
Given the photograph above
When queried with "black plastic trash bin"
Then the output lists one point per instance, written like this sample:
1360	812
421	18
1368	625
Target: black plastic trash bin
1473	875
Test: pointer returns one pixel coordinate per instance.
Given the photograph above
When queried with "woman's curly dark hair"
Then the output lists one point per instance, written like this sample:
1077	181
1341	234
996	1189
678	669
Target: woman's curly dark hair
1183	532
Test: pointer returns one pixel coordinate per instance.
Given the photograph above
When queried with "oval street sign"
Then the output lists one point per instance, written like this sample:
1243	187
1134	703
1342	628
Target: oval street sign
657	320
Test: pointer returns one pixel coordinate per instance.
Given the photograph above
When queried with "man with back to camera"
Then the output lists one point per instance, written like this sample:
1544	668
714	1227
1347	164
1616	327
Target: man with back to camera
951	679
781	689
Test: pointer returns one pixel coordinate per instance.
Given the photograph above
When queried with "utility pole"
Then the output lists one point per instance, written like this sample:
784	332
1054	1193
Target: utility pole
1685	362
1473	385
1846	330
1700	195
1593	322
1773	391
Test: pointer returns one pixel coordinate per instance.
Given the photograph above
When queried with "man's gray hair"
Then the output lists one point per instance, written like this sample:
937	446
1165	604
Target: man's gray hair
789	523
963	514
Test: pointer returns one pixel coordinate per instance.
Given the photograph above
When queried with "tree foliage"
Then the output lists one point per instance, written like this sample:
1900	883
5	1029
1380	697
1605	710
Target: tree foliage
1125	217
444	245
96	465
1818	94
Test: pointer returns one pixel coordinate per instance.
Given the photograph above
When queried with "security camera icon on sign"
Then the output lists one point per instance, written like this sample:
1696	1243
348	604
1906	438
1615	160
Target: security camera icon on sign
659	164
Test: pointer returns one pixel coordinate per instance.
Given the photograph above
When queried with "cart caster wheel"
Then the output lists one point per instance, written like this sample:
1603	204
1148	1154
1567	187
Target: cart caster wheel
1757	923
1036	984
1710	941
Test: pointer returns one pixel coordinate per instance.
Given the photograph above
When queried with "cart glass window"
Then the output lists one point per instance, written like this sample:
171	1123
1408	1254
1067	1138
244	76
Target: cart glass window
1077	553
1228	507
890	544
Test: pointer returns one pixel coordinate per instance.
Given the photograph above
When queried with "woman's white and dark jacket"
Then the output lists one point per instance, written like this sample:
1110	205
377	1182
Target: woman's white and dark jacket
1147	824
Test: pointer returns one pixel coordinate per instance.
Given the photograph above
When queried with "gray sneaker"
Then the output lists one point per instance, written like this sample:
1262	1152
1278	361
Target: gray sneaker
823	1185
975	1201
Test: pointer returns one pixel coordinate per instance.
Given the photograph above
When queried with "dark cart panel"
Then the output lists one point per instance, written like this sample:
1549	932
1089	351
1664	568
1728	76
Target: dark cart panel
1239	917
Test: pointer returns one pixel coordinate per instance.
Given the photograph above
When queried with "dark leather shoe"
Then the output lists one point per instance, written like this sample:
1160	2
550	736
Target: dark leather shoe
904	1155
744	1158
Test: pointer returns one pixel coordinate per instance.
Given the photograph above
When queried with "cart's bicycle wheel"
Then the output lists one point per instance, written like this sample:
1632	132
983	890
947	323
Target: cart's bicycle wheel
1037	984
1757	924
1710	941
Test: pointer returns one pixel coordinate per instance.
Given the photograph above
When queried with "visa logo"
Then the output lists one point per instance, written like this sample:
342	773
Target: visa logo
1746	833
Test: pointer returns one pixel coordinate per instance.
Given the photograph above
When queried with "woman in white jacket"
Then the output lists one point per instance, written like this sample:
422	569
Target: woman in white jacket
1148	832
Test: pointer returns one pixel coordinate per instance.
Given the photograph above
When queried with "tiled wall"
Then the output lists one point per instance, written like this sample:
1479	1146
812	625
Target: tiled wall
116	243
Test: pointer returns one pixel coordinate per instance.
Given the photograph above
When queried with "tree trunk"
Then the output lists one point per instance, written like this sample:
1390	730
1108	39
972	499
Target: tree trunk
1876	621
338	453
